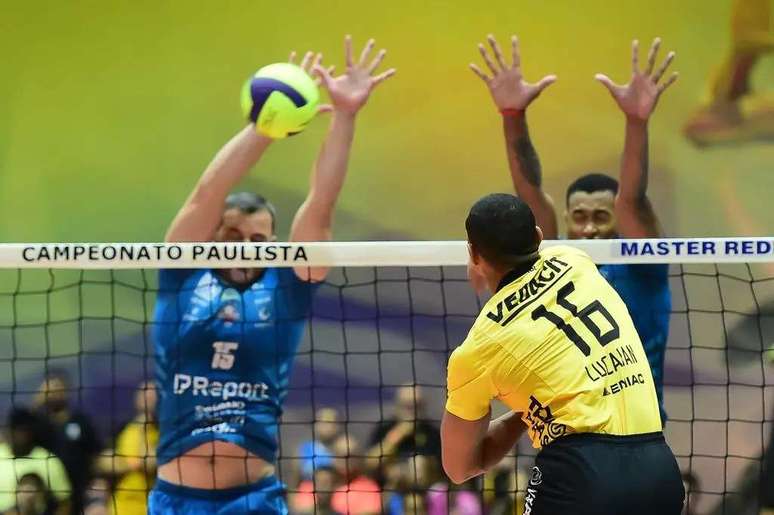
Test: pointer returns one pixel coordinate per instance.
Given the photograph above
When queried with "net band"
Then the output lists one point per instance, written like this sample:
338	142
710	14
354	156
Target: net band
377	253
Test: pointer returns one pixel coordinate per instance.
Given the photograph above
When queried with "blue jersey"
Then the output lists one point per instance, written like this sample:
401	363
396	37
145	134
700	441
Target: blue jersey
645	291
223	358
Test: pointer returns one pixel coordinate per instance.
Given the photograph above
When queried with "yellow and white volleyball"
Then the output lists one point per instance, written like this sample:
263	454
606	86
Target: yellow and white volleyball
281	99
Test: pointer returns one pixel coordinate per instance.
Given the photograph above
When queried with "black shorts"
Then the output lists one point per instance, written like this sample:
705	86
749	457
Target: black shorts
585	474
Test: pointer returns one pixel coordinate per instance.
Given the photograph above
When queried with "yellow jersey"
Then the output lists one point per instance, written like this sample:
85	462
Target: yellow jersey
556	344
136	442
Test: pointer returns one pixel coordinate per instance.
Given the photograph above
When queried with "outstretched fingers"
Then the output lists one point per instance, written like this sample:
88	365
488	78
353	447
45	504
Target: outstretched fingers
383	76
483	76
308	56
652	53
516	53
497	52
635	57
348	51
325	75
366	52
487	59
377	61
545	82
661	69
671	80
611	86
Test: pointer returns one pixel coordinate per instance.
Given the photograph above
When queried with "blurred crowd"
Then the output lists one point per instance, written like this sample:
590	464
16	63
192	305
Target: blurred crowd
396	471
52	461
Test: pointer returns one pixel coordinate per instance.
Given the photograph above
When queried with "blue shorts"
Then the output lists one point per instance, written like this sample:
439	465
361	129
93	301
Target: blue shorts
267	496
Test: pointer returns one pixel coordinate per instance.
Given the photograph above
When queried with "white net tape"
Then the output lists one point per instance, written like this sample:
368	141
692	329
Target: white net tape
376	253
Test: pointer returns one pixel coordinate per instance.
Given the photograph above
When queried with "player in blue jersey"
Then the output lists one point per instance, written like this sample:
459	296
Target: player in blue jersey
597	206
225	339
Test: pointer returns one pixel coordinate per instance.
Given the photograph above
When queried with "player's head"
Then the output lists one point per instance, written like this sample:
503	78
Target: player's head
590	207
55	389
247	217
502	235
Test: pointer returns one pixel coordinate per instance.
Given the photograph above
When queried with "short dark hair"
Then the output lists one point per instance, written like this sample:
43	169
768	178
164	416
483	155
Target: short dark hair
592	182
501	227
248	202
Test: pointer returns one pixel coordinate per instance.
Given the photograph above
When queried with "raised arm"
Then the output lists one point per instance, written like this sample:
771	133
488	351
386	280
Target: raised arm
637	100
512	95
201	213
348	93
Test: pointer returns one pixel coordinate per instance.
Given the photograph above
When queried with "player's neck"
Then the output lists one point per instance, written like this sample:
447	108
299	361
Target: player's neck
504	276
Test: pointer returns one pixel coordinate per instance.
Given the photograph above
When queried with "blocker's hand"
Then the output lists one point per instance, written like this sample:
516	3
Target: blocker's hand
639	97
507	86
349	92
308	63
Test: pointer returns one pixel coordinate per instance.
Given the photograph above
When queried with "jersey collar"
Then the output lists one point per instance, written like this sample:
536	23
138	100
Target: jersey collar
517	272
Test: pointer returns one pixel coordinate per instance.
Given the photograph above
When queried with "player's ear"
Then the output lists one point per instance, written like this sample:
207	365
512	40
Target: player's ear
538	234
472	254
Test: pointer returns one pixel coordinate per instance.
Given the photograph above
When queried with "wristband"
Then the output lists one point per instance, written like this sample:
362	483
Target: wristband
512	112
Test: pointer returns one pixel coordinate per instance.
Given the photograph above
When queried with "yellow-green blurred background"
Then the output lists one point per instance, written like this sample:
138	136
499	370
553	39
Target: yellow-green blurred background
110	110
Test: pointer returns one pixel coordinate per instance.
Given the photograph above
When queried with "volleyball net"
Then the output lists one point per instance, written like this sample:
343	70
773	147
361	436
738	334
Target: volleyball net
368	384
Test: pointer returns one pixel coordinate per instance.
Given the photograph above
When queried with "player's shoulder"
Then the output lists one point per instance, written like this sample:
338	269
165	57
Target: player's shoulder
175	278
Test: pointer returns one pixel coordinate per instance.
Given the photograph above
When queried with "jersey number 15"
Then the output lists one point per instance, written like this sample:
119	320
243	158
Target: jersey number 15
223	357
585	316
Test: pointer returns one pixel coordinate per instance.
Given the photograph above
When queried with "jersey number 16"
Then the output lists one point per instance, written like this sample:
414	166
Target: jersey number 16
585	316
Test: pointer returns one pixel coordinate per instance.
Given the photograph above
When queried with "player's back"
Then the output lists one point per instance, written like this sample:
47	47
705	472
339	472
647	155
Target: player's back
556	344
561	348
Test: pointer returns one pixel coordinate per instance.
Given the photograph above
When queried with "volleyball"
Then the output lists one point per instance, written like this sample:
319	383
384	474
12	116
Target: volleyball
281	99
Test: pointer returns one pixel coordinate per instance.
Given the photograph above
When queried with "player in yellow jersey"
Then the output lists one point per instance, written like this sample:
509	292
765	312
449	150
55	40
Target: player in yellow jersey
556	344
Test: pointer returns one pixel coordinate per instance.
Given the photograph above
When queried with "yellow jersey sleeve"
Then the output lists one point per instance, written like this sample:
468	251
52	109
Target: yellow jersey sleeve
470	388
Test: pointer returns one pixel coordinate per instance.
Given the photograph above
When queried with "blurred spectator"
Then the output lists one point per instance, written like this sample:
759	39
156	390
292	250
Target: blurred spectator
503	484
21	456
394	484
414	503
133	462
316	452
462	500
315	496
71	436
32	497
97	497
359	494
407	433
403	478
